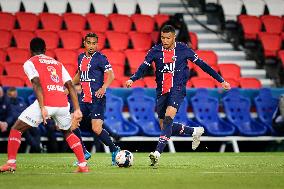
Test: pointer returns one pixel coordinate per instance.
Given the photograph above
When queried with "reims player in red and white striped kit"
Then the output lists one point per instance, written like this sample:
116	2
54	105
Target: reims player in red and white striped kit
48	78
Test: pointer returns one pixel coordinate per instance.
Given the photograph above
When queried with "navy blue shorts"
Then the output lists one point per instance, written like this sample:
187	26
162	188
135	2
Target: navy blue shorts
94	110
173	98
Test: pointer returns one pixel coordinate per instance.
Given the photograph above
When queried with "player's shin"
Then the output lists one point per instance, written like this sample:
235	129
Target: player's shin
77	132
105	138
166	133
180	129
75	144
14	142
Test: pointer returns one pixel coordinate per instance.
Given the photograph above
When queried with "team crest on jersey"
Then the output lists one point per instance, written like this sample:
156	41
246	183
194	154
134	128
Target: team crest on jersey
53	75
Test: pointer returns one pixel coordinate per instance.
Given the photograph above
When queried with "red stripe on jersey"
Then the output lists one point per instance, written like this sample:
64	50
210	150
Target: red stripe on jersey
167	84
84	63
86	86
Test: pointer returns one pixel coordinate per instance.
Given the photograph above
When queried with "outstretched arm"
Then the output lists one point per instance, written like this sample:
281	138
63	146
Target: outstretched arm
142	68
139	74
206	68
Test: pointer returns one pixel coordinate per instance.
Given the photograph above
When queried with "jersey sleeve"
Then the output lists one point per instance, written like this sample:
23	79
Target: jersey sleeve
30	70
65	75
104	64
144	66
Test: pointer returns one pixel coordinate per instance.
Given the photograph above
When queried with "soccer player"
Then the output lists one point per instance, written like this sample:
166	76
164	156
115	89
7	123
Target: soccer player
92	67
48	78
172	74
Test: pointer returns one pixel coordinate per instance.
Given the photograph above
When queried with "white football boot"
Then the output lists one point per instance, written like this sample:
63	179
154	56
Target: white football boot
154	157
198	131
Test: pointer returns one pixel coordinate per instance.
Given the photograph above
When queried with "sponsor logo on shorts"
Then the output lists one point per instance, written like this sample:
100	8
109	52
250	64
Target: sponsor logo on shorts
30	119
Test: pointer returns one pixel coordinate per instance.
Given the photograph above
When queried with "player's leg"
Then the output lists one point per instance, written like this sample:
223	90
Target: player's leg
195	132
30	117
162	103
97	115
77	131
76	146
62	118
103	136
166	133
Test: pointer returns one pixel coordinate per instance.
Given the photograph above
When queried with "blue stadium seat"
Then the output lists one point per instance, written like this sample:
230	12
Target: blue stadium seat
205	109
114	120
265	107
142	112
237	109
181	116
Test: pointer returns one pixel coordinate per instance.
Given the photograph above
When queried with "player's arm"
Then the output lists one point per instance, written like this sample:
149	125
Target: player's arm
107	69
206	68
142	69
33	76
109	78
76	78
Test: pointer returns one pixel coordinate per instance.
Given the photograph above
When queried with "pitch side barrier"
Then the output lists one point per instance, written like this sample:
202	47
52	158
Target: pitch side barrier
228	140
124	93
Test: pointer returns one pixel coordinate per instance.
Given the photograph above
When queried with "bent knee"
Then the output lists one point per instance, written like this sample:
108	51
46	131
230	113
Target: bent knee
97	125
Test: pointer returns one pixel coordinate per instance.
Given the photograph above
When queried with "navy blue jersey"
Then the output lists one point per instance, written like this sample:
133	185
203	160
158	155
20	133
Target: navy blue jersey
172	72
92	71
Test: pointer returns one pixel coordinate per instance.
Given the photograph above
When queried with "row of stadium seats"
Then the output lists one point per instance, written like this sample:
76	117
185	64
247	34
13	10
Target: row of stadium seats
238	119
233	8
131	58
78	22
82	6
16	78
73	40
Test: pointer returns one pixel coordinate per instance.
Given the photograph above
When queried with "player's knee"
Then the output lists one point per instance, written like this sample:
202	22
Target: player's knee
97	126
168	121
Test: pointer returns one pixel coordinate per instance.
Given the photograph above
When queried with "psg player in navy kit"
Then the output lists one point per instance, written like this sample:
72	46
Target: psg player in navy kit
92	66
172	74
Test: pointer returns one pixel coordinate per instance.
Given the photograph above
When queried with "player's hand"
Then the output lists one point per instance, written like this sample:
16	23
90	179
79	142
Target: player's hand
66	91
3	126
77	116
75	123
226	85
44	115
128	83
101	92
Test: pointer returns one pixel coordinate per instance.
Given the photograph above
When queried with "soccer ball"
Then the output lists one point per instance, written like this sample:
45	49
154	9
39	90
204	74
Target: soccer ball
124	158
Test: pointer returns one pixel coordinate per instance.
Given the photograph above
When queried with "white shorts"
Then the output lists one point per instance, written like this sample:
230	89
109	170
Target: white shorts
61	115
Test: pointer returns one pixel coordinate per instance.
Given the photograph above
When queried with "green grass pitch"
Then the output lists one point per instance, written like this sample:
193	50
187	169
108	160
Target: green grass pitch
176	171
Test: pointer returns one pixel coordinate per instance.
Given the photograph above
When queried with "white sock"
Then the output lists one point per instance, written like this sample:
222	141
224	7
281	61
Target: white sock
157	153
11	161
83	164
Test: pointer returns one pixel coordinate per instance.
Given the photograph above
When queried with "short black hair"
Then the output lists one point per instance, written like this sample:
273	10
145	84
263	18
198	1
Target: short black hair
11	89
91	35
37	45
168	28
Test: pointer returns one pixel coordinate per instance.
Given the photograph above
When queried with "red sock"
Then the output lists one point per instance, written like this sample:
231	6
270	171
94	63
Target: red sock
14	142
75	144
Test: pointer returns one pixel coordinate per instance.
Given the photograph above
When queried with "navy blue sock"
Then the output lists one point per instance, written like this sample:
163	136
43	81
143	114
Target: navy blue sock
77	132
166	133
180	129
105	138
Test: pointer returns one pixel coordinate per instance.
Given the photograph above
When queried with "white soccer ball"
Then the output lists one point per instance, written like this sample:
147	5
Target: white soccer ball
124	158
